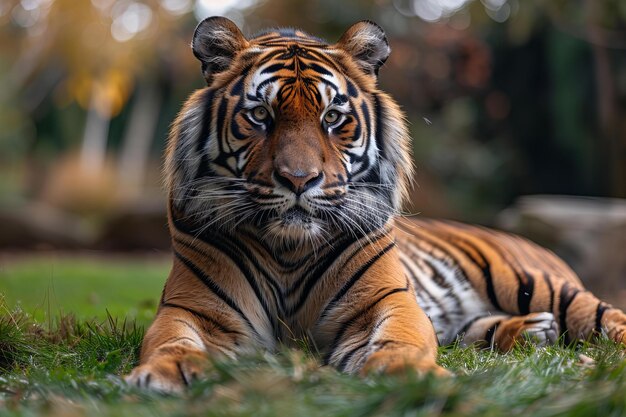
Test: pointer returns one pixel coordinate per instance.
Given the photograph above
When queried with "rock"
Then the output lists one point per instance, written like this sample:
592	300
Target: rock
139	226
38	225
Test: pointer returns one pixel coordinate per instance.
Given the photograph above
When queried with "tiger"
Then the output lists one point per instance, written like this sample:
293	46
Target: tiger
285	177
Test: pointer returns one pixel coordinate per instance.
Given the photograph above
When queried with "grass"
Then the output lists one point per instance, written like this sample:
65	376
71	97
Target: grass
68	366
88	287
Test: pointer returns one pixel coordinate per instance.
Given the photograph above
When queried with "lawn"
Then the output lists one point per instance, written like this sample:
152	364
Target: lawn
70	365
86	286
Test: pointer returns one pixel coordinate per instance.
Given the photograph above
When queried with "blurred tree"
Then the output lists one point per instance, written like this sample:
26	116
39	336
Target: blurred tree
95	54
505	97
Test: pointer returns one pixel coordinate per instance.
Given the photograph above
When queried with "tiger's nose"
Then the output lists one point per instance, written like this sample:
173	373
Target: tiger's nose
298	181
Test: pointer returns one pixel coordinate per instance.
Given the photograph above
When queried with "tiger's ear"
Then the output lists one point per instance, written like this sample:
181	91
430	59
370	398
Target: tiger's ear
216	41
367	43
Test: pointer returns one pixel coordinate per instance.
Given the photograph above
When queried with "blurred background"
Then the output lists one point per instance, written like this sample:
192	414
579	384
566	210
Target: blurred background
516	109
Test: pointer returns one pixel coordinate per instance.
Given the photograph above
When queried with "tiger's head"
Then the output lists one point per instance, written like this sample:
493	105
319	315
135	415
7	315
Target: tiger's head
291	135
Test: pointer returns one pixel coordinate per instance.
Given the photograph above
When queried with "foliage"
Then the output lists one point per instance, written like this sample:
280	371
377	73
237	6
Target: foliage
506	97
73	368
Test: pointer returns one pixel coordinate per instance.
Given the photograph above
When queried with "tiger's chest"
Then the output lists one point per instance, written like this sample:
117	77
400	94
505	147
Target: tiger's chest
299	292
294	290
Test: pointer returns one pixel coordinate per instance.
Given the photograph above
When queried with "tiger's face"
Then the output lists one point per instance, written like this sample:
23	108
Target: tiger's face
291	136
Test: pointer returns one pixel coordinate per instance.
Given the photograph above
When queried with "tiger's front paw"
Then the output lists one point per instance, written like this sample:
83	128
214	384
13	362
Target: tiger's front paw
401	362
170	370
617	334
614	325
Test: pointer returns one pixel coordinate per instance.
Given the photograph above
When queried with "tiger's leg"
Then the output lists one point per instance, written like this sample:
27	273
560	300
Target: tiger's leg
519	277
543	282
197	319
373	323
174	352
502	331
580	315
177	347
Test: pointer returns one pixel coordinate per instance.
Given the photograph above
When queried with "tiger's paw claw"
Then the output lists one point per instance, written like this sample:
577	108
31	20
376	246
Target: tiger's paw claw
540	329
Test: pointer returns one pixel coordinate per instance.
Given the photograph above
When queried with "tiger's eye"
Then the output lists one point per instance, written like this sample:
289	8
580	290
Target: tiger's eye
331	117
260	113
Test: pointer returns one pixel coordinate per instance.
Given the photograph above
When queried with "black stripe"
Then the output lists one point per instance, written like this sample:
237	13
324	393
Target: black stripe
268	57
420	289
469	324
481	263
237	89
229	246
229	250
275	67
485	268
525	293
346	358
367	123
346	325
222	109
213	287
203	338
320	69
568	294
340	99
235	250
489	335
320	56
357	275
380	344
602	307
525	285
265	83
380	142
312	278
204	317
222	135
513	265
189	326
207	104
352	91
182	374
